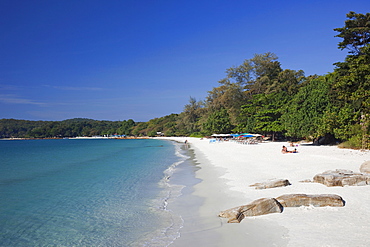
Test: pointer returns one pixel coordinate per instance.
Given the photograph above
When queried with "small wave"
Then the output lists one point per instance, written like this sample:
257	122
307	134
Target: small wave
167	234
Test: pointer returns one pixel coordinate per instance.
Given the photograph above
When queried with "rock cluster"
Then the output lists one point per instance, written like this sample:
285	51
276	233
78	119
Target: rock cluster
276	205
342	178
271	184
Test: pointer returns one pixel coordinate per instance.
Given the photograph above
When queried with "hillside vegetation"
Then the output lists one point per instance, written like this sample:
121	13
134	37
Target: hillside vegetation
256	96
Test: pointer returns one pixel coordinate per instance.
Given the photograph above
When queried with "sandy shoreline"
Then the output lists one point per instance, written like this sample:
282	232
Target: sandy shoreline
227	170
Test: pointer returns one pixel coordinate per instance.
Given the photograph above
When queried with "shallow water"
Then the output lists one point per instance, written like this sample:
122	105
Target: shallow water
89	192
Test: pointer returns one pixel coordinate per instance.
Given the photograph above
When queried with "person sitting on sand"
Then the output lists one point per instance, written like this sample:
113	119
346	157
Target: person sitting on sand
286	151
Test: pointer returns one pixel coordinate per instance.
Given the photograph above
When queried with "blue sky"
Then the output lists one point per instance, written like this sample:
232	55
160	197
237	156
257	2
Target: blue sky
118	60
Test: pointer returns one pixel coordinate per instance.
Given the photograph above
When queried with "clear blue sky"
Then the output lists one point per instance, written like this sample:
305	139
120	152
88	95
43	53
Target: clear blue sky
116	60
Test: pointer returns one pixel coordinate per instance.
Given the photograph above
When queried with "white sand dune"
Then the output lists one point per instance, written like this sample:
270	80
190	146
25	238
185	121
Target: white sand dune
227	170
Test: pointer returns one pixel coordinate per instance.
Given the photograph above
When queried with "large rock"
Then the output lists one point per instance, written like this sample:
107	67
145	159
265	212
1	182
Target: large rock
271	184
341	178
258	207
325	140
365	167
297	200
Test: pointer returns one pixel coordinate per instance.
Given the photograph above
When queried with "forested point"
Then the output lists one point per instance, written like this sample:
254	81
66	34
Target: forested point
257	96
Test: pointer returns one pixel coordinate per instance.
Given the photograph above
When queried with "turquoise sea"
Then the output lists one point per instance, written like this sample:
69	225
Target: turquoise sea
88	192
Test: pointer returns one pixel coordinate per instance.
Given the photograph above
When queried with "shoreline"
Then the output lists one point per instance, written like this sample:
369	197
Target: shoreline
78	138
227	169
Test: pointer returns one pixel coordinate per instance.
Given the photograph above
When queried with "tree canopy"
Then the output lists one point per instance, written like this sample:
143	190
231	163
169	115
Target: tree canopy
355	33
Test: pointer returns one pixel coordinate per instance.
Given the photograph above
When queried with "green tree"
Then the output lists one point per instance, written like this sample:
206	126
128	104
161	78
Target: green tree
229	96
350	90
287	81
218	122
355	33
266	70
352	83
350	97
263	114
255	74
126	127
189	118
267	118
140	129
304	115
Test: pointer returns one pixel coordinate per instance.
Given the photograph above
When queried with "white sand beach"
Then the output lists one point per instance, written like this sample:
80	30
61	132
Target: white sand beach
227	171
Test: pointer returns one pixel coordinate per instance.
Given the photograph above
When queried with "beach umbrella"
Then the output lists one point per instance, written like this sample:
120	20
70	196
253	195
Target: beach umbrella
248	135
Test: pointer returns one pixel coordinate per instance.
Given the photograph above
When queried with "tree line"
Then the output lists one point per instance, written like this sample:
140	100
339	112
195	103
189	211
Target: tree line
257	96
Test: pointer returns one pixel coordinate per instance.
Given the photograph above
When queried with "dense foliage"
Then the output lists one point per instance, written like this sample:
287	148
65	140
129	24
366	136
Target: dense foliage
11	128
355	33
256	96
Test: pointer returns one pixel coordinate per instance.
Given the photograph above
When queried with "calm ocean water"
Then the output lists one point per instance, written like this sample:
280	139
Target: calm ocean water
88	192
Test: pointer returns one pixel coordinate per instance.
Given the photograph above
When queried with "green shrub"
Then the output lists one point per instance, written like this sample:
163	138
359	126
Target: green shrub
354	142
196	134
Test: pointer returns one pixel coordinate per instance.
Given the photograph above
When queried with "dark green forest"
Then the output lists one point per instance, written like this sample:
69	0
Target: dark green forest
257	96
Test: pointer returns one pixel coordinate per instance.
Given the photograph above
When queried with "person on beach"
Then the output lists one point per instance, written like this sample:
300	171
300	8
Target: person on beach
285	150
